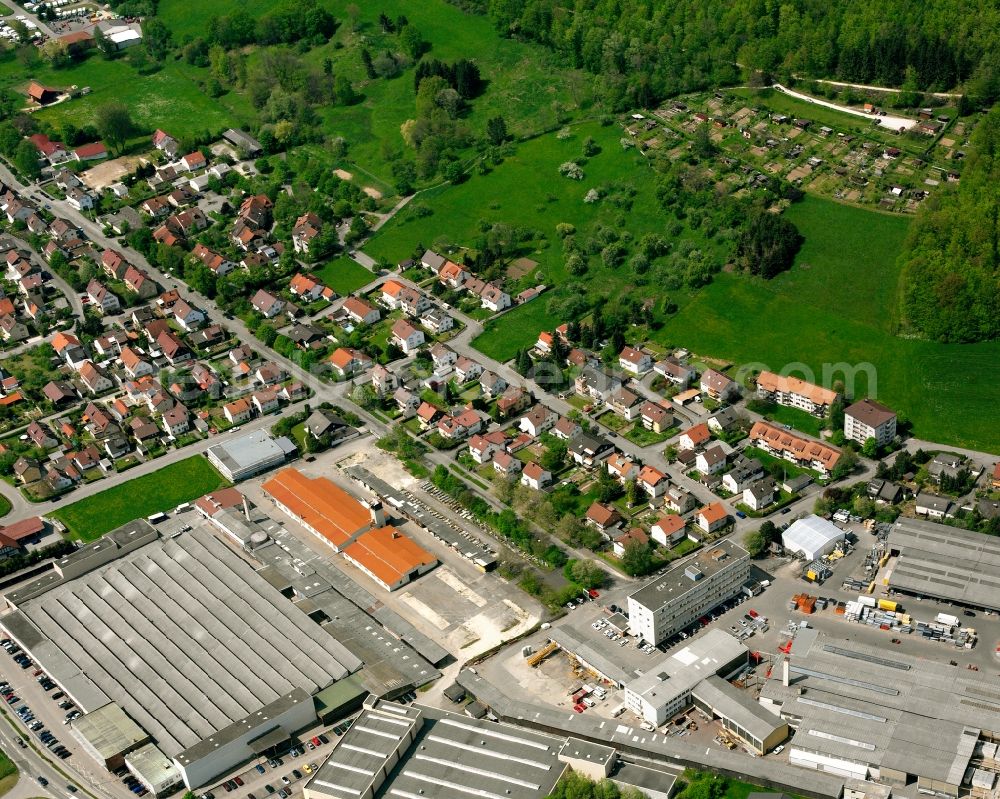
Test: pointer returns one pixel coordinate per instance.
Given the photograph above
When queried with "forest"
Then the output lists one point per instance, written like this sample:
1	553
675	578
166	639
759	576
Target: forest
951	262
644	51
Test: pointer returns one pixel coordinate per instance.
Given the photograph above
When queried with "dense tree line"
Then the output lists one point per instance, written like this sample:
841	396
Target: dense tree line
294	21
646	50
951	262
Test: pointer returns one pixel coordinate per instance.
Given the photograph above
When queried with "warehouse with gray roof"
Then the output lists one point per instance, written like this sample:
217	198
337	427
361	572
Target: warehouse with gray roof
865	713
185	639
412	751
943	562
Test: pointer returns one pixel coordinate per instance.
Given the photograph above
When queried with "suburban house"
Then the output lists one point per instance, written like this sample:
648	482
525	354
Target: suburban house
793	392
535	477
717	386
745	472
494	299
760	494
566	428
384	380
492	384
711	460
933	506
443	357
265	400
12	330
514	400
194	161
407	337
668	531
694	437
267	304
723	420
869	419
634	361
589	450
406	400
135	366
673	371
139	282
603	517
93	378
635	535
538	420
462	425
187	316
885	492
360	312
213	260
309	288
678	500
307	228
346	361
596	383
238	411
437	321
621	468
467	369
451	274
712	517
652	481
482	447
625	403
794	448
655	417
506	464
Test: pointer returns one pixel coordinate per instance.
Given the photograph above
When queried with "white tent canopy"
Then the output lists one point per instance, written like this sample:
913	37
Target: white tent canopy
812	537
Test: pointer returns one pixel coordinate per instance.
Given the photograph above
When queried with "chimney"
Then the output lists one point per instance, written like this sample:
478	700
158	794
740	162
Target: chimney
377	513
784	671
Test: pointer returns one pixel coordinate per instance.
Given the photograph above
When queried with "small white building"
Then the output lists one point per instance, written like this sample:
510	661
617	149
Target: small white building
812	537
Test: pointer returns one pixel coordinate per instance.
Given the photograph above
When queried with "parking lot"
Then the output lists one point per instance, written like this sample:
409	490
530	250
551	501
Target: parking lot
281	776
42	714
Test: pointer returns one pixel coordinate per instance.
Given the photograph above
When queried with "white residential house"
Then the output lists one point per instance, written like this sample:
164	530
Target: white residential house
668	531
635	362
407	337
538	420
535	477
483	447
711	460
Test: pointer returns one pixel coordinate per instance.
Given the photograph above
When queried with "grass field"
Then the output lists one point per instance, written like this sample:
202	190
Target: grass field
343	275
8	773
180	482
800	420
170	98
837	306
5	506
524	85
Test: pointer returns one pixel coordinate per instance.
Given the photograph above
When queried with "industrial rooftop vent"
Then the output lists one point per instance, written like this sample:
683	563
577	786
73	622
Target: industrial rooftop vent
693	573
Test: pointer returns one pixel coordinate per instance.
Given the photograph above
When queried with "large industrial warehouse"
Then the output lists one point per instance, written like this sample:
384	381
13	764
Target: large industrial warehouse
406	751
864	712
935	560
180	633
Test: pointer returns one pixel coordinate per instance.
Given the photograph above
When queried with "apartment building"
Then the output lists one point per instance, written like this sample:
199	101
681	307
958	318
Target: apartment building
674	600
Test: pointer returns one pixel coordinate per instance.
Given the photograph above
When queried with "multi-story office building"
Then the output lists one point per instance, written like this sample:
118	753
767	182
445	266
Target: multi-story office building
674	600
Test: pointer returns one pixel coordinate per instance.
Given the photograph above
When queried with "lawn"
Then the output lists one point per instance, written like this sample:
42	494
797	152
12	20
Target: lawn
180	482
8	773
343	275
515	330
525	85
170	98
5	506
834	313
800	420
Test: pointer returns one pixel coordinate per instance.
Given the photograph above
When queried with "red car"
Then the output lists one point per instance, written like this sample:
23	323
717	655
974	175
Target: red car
593	593
753	613
579	707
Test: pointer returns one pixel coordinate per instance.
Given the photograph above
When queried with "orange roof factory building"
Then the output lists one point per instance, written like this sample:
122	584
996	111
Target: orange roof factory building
385	554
